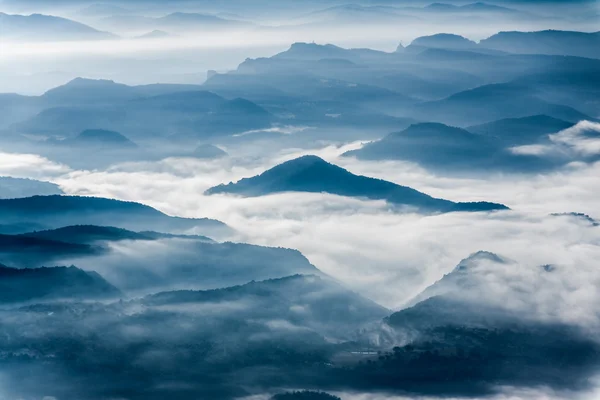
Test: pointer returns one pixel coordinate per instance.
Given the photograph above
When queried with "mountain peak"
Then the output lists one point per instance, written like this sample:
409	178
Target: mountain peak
444	40
80	81
477	257
304	50
312	174
102	137
460	278
306	160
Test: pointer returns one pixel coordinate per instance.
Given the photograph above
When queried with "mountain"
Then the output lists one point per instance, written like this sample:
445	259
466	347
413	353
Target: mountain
446	148
313	51
521	131
184	263
181	101
57	283
473	343
145	112
304	395
470	333
442	41
355	13
234	116
59	211
461	278
146	262
565	43
24	251
310	301
89	234
209	151
426	143
99	139
103	9
487	8
283	330
11	188
179	22
183	20
46	28
579	217
492	102
314	175
84	91
155	34
161	235
471	8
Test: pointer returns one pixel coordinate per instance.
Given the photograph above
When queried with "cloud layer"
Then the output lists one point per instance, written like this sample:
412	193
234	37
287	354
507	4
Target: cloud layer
387	256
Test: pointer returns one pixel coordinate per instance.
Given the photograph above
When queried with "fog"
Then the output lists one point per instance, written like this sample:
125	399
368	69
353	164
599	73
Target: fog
366	299
387	256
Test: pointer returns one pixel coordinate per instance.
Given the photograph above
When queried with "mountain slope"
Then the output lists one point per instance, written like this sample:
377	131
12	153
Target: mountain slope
21	285
24	251
100	139
312	174
449	149
493	102
306	300
88	234
11	188
460	278
208	151
59	211
520	131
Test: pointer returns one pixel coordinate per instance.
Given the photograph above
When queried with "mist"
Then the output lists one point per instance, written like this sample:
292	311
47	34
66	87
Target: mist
292	200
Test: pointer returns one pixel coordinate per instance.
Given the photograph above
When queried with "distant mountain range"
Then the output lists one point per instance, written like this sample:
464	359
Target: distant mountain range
144	111
441	147
395	13
493	102
581	44
179	22
312	174
47	28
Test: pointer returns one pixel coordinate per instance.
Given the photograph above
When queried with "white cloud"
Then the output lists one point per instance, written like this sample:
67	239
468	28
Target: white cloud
387	256
532	150
29	166
582	139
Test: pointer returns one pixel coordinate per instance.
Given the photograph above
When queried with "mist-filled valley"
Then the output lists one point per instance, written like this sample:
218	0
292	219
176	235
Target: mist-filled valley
280	200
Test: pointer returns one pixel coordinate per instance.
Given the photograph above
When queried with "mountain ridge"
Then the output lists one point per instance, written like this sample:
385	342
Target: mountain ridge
313	174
